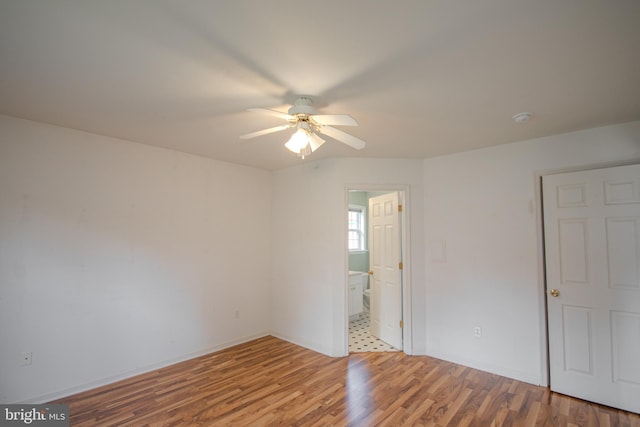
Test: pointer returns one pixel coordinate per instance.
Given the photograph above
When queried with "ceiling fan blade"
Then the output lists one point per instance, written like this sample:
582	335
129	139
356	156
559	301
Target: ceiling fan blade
273	113
343	137
315	142
334	119
266	131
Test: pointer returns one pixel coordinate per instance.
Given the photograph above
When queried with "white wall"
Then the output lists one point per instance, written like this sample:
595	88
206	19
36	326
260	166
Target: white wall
482	204
117	257
310	251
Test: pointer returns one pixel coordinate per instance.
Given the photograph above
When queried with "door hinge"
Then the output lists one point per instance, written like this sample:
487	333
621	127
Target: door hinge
402	324
399	208
400	265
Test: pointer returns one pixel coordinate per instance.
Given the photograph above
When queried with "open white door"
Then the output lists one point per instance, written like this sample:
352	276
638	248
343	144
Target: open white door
592	243
384	263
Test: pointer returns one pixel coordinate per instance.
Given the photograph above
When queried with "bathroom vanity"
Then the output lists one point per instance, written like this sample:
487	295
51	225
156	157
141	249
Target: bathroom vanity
356	288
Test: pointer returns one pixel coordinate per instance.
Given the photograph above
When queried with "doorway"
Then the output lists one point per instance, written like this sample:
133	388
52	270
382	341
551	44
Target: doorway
376	276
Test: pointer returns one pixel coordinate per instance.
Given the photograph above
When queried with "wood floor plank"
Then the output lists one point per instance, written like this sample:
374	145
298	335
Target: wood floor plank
270	382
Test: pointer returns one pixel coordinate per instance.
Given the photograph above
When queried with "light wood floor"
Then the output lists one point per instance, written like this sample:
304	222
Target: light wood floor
270	382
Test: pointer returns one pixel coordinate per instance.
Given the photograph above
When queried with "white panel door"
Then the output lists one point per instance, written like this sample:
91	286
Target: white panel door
592	243
384	261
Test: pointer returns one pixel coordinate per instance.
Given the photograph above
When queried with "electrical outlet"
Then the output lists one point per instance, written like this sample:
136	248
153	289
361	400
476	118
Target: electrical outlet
477	332
25	359
237	314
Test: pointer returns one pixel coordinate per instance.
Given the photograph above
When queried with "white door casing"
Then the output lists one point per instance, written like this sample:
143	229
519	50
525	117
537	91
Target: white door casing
384	262
592	245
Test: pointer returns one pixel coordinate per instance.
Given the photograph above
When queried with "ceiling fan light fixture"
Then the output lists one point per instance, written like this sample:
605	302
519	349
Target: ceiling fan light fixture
299	143
315	141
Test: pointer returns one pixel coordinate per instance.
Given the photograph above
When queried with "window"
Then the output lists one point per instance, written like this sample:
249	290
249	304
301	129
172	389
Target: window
356	228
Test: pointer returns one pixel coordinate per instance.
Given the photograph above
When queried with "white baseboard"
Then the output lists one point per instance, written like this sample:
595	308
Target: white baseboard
515	374
48	397
306	344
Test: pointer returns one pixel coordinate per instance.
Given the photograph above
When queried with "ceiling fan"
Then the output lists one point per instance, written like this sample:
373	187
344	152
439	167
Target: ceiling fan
308	124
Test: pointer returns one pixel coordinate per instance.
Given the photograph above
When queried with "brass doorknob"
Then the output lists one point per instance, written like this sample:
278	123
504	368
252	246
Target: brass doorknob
370	272
554	292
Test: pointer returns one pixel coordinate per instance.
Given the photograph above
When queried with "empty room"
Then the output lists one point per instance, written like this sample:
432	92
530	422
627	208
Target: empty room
320	213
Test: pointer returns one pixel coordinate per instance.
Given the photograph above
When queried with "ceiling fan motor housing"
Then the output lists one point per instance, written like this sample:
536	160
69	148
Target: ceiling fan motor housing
302	105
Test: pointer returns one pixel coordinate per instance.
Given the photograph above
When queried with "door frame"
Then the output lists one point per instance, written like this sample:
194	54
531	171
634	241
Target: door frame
542	274
405	246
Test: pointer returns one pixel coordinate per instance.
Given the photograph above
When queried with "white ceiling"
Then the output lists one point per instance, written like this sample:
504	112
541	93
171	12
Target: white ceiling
423	78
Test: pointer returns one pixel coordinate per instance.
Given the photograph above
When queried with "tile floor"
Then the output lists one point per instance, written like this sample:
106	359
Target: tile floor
361	340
